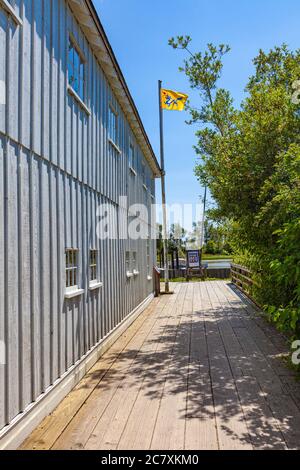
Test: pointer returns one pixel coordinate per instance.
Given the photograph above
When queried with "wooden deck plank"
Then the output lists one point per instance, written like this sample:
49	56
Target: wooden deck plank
139	430
201	427
280	400
53	426
169	432
197	370
107	391
232	428
263	428
144	367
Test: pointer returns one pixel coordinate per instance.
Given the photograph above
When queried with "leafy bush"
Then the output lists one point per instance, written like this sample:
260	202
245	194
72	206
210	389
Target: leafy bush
249	157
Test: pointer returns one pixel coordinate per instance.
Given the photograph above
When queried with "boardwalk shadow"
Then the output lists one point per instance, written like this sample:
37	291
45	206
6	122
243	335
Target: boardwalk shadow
213	363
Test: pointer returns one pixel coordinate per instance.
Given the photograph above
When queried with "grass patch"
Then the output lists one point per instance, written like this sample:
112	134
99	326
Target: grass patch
197	279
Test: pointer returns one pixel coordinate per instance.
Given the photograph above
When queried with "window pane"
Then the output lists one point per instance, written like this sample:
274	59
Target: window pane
71	54
76	62
81	71
71	63
71	268
76	70
71	74
81	89
112	125
93	265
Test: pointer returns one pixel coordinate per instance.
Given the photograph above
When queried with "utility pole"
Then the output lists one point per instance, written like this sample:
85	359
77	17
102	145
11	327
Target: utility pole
203	219
163	191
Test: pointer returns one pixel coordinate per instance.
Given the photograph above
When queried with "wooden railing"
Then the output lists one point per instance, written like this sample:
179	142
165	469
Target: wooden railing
242	277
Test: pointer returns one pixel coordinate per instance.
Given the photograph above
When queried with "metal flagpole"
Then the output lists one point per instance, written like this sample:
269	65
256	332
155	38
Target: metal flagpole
163	191
203	220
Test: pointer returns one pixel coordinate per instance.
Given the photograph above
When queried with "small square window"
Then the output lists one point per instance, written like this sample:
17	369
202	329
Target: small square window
76	70
71	268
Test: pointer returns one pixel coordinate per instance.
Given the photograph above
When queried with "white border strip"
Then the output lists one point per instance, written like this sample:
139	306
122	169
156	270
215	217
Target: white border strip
14	435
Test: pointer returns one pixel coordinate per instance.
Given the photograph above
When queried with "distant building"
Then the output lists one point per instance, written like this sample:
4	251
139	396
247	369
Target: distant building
71	139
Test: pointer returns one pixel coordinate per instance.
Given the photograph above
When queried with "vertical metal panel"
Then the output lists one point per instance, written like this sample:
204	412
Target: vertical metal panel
53	268
24	279
26	54
35	275
3	54
12	284
37	38
14	83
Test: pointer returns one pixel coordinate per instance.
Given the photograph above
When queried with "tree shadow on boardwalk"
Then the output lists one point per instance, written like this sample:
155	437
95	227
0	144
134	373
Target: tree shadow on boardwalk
221	368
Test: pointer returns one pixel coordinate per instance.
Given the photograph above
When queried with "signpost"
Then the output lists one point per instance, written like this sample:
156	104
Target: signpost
194	266
194	259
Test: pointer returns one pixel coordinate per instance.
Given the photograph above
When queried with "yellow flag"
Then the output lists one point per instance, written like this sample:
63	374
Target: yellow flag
172	100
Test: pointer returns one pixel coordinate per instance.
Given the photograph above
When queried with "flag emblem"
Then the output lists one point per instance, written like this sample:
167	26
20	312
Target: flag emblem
172	100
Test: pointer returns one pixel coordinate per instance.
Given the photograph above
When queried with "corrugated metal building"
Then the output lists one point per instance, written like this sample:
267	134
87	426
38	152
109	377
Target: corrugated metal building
70	140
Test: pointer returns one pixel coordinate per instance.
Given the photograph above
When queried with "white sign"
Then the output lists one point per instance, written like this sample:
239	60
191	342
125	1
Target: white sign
2	92
193	259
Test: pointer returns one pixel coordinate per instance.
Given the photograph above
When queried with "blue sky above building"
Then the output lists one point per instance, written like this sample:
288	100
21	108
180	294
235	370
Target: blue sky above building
139	31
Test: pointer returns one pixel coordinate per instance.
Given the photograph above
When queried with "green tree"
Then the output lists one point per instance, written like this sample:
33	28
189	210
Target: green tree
249	158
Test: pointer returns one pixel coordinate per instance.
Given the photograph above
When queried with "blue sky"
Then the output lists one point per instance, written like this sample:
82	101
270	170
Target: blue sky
139	31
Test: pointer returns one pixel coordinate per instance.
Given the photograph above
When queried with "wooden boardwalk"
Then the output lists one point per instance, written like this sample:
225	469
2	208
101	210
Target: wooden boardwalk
199	369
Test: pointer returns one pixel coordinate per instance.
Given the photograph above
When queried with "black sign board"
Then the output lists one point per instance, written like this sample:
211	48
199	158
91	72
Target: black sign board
193	259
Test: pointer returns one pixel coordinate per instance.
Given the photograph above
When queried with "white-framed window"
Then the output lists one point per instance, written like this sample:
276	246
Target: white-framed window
113	125
72	274
71	269
93	265
95	284
76	69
